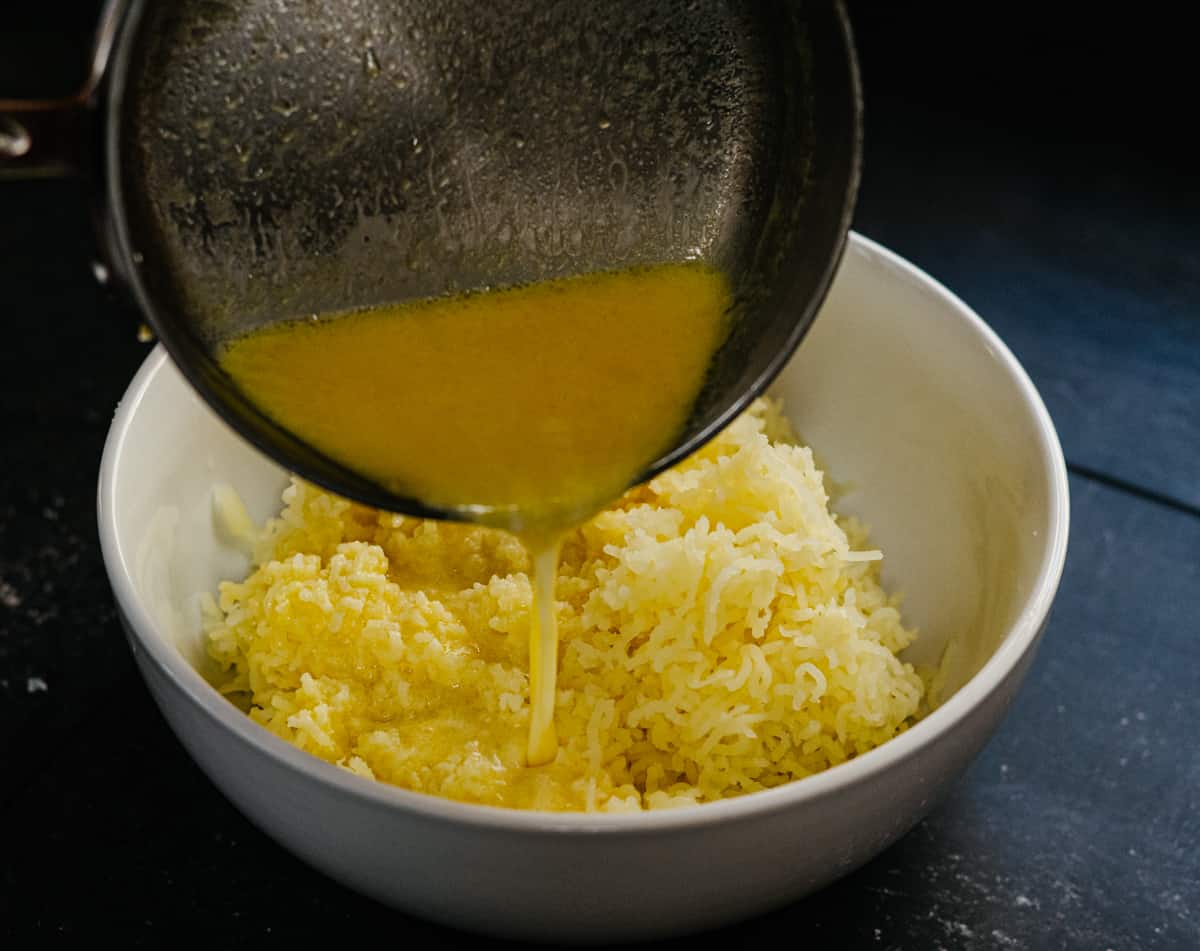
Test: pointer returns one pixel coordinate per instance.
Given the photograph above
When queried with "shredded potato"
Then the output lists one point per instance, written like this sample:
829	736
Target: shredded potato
721	632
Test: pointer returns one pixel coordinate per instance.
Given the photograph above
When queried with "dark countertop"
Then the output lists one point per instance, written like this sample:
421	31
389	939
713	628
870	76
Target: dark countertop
1078	827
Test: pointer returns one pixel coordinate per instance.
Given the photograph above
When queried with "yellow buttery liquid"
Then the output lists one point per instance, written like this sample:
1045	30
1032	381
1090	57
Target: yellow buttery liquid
528	408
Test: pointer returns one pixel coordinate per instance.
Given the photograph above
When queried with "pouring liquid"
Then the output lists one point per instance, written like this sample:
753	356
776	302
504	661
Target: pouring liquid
543	651
527	409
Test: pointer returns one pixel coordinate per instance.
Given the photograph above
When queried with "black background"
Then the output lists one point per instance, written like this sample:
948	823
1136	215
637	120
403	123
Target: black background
1041	163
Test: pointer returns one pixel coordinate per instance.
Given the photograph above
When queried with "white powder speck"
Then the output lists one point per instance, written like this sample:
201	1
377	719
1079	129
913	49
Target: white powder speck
1124	721
1023	901
35	685
49	514
1141	715
8	595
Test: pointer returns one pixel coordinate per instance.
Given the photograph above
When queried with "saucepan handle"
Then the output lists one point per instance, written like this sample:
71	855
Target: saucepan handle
50	137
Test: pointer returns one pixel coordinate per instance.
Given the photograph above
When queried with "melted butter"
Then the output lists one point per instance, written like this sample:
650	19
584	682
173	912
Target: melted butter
528	408
543	650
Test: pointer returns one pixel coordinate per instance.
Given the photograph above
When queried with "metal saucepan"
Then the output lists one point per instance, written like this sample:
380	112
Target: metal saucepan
262	160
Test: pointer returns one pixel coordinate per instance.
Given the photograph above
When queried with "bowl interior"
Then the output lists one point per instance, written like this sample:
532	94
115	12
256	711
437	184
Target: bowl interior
933	434
934	437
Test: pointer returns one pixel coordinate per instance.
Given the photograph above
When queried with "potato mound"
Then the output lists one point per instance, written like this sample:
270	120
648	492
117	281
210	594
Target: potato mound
721	632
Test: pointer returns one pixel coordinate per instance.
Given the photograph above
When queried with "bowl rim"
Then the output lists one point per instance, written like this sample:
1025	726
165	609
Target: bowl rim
1021	637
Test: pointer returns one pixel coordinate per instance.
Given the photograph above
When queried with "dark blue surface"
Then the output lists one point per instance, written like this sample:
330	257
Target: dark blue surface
1090	274
1078	827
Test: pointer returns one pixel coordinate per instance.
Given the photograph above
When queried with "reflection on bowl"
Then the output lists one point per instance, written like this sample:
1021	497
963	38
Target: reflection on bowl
944	449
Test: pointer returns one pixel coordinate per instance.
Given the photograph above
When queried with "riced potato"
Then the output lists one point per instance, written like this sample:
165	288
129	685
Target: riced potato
721	632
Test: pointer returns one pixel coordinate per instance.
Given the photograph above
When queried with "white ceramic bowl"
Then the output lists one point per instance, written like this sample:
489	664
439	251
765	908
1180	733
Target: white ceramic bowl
903	392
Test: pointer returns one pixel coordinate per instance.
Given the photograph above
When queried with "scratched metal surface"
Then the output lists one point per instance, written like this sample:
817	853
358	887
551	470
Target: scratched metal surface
1078	827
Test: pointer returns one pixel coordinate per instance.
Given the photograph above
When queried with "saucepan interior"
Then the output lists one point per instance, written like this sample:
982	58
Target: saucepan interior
273	161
